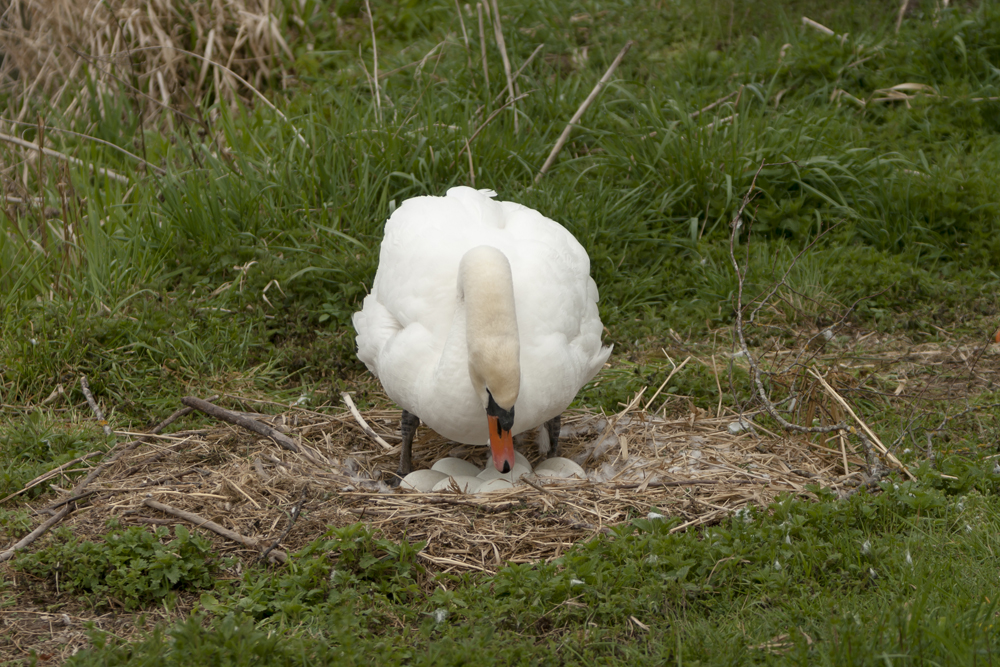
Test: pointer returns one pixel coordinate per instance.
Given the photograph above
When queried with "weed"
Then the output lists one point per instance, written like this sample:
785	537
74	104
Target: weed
134	567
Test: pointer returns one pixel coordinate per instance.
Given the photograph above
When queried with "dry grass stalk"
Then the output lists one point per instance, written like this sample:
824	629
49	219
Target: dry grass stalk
502	45
871	434
482	44
378	95
817	26
520	70
17	141
564	137
363	424
46	42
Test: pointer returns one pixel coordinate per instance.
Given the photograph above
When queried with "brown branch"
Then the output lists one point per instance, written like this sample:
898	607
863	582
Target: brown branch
35	534
94	406
755	370
46	476
102	142
250	424
78	491
192	518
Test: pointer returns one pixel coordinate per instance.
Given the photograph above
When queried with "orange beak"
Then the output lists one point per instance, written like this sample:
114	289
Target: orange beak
502	445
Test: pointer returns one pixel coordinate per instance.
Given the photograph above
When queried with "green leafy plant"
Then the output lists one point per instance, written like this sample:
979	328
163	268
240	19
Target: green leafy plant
134	566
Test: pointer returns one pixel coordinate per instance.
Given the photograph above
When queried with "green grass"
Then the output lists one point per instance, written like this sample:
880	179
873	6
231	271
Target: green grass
238	272
911	191
858	581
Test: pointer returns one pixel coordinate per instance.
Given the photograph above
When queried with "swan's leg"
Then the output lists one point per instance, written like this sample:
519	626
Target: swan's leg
552	426
407	428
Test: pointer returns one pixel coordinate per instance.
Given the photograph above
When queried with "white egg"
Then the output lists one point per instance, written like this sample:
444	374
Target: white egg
518	458
466	483
495	485
422	480
559	467
492	473
455	467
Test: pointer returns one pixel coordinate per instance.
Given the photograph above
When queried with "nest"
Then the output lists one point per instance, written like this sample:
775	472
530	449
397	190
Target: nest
697	467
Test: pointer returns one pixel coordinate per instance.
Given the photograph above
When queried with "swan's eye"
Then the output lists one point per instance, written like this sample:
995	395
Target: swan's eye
505	418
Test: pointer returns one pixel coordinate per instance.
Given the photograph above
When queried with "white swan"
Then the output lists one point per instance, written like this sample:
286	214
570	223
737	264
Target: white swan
478	307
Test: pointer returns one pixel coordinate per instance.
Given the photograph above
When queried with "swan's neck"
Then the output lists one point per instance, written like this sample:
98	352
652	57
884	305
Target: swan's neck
486	288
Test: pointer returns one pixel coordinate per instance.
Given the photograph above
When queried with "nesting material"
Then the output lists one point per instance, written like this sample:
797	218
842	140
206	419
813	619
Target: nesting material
690	468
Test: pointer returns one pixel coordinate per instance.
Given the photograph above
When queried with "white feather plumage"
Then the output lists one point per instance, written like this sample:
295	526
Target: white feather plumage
412	330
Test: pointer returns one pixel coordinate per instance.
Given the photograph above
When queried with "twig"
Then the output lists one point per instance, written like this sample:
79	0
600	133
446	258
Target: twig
843	451
472	168
363	424
498	33
104	171
817	26
250	424
78	490
35	534
72	499
291	523
200	522
46	476
974	408
695	114
564	137
692	482
378	96
49	128
755	370
94	406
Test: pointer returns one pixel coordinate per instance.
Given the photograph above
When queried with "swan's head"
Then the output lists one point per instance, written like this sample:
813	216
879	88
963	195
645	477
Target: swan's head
487	289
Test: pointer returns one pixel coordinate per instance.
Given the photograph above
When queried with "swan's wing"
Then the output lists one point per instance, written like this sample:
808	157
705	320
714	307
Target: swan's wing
406	320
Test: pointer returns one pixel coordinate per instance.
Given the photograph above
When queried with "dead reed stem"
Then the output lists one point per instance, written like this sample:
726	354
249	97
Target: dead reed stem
564	137
498	33
17	141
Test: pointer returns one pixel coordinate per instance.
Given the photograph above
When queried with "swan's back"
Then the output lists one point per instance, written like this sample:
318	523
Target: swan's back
409	317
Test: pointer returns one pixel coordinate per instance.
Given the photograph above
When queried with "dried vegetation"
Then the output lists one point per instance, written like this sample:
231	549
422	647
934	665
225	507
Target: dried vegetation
168	54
